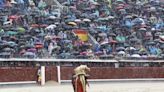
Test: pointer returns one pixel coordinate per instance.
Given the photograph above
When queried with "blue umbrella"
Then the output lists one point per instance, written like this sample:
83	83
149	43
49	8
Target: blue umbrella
11	43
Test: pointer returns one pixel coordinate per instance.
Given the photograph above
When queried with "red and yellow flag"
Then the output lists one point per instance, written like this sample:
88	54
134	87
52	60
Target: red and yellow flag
82	34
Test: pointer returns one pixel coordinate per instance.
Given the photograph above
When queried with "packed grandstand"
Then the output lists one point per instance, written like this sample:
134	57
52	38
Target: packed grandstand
82	29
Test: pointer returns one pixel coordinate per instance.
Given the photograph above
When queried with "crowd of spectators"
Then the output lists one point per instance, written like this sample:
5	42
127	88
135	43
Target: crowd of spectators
116	28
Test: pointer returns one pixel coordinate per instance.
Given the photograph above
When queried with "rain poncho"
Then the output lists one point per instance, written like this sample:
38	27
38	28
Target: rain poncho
2	2
42	4
128	23
120	38
154	50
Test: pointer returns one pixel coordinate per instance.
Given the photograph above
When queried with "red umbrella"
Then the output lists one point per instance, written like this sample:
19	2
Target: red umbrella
35	25
38	46
13	17
44	25
161	38
113	41
119	7
83	53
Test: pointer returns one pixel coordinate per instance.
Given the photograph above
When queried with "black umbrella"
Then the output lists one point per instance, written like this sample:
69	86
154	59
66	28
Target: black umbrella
29	55
28	46
120	48
112	34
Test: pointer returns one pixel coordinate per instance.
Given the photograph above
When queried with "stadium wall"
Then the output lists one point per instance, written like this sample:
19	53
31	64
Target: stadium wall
15	74
117	73
100	69
18	74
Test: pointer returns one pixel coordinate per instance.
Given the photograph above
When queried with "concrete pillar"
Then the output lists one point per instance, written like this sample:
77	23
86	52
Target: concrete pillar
42	75
116	65
59	74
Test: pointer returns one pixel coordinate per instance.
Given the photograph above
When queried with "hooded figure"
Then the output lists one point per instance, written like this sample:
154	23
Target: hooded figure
79	80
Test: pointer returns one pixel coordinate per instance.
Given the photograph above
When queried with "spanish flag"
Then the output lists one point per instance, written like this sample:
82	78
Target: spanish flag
82	34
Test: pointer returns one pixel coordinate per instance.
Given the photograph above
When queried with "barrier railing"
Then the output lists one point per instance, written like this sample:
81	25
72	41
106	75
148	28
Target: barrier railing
75	62
80	60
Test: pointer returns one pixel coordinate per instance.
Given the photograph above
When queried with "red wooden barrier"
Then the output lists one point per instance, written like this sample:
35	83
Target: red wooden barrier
117	73
16	74
13	74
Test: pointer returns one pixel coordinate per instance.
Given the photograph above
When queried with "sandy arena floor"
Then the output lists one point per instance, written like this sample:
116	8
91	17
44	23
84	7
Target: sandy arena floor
148	86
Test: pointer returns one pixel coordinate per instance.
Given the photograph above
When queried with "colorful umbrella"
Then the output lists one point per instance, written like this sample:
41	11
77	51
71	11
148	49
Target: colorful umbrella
21	30
34	25
72	23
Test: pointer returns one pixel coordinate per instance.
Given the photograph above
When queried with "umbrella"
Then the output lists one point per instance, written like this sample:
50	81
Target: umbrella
121	53
103	19
77	20
120	38
132	48
158	34
1	31
104	43
72	23
161	37
52	26
138	21
13	17
67	41
34	25
48	37
65	55
102	34
28	46
43	25
11	33
8	50
152	9
11	43
110	17
122	10
136	56
86	20
13	2
52	17
112	34
113	41
120	49
142	29
119	7
38	45
21	30
151	43
128	17
5	54
29	54
32	50
121	1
